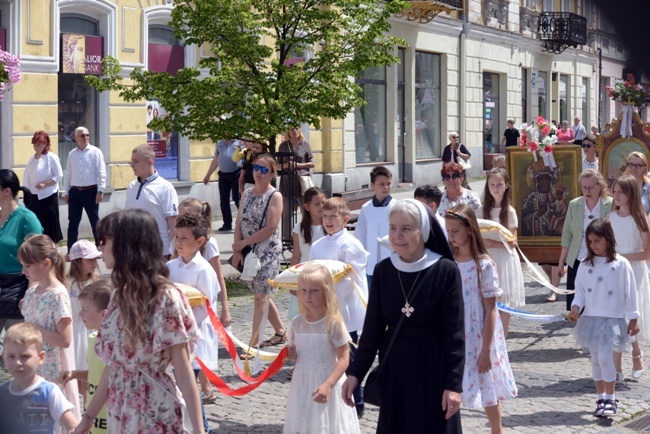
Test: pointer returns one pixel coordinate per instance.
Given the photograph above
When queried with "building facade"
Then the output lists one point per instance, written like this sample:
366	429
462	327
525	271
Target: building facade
465	71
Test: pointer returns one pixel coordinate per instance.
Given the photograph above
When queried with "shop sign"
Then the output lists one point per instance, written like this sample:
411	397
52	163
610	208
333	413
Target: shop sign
166	58
159	147
81	54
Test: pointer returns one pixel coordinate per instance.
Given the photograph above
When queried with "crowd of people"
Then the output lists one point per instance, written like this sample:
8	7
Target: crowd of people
424	284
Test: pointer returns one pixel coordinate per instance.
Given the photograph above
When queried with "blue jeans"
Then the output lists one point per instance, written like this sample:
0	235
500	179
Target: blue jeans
78	201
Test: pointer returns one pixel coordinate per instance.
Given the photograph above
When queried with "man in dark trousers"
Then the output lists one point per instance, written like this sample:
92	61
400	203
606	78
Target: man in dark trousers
511	136
228	179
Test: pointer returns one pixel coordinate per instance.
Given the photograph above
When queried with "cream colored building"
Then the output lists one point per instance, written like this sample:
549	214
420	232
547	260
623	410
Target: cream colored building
467	71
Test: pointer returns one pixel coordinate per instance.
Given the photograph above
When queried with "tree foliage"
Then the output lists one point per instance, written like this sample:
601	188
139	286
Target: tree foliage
247	86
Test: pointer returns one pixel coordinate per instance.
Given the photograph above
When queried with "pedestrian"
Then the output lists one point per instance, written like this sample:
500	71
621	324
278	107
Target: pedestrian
191	268
42	175
47	305
511	136
85	181
608	128
591	156
83	271
318	343
453	177
579	131
565	135
606	296
496	207
28	402
456	152
153	193
305	234
148	326
632	234
488	378
228	178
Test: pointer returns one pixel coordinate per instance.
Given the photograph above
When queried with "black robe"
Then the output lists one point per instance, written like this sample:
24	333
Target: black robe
428	355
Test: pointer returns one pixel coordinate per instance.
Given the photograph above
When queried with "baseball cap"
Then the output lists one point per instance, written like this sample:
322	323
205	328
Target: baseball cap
84	249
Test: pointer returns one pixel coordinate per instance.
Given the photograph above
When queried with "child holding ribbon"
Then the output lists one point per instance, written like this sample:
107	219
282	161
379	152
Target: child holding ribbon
606	291
318	342
487	379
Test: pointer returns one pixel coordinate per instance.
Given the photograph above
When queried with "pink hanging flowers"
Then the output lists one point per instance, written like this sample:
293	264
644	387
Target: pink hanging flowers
9	71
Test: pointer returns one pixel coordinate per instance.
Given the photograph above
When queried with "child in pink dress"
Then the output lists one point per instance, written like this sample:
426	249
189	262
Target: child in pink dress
47	305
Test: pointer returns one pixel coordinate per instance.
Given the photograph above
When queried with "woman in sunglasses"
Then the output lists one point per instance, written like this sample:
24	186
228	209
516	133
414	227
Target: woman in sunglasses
454	152
637	166
258	227
591	157
455	193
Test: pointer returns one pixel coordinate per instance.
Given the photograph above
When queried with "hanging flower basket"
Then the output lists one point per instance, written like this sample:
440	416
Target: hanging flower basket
540	137
9	71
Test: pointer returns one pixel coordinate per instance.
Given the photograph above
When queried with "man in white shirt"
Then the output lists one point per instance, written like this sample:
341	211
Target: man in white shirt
579	131
152	193
85	180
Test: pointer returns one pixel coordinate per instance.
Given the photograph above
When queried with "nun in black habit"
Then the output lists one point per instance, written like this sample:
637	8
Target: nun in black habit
422	376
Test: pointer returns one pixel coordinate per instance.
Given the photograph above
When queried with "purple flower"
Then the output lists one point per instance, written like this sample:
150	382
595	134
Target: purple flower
9	71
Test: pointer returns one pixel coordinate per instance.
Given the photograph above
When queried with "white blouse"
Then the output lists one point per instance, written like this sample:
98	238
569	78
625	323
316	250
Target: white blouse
41	170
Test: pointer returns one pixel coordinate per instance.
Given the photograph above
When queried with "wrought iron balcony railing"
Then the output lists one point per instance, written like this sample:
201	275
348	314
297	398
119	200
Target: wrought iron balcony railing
425	11
560	30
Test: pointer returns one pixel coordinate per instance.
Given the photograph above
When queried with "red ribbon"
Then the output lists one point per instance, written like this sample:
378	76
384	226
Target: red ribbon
221	385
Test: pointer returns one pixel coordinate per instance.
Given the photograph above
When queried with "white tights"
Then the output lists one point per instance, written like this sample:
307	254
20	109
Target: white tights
602	363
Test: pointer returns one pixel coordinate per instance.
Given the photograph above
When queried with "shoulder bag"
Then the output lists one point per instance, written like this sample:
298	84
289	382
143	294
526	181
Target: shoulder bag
465	164
371	394
12	290
246	250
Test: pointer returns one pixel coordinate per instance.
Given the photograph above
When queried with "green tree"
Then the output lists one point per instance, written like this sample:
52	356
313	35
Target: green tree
247	87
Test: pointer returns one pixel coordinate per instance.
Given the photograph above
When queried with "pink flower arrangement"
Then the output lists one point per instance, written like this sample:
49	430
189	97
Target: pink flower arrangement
539	136
628	91
9	71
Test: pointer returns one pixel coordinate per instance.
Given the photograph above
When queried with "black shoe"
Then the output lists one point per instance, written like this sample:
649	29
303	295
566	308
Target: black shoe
225	228
610	407
600	406
360	412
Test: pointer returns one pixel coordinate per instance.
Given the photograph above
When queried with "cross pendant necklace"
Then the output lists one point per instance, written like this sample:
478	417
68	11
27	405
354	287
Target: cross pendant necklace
407	309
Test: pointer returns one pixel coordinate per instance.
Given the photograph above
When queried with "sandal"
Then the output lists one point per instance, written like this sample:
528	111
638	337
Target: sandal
271	343
210	397
244	355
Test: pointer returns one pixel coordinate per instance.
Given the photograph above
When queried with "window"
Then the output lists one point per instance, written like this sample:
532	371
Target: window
491	118
165	54
370	119
548	5
542	85
524	95
564	98
427	106
585	102
77	102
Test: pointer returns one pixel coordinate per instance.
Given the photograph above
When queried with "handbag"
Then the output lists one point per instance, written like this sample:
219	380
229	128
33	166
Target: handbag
371	390
465	164
246	250
12	290
305	183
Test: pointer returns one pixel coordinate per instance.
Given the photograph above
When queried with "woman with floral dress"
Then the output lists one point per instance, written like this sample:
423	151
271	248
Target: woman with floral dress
258	227
148	326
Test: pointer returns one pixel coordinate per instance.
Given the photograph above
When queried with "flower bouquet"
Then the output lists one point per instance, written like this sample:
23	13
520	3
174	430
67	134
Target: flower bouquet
9	71
540	136
631	94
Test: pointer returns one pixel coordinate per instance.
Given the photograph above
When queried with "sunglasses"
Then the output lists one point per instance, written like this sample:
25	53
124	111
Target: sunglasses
258	168
453	137
84	135
586	145
454	176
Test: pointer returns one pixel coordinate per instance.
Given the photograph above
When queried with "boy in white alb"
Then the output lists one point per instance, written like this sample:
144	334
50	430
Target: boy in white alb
192	269
340	245
373	219
28	403
153	193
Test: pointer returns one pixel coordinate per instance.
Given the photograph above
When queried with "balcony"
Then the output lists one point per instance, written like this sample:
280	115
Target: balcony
560	30
426	11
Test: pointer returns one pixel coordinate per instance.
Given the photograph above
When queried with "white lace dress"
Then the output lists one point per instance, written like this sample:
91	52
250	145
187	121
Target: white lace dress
316	357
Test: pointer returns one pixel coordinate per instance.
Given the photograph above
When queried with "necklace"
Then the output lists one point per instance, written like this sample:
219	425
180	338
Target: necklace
407	309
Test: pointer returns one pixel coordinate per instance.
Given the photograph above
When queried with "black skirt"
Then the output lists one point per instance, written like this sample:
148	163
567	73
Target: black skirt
47	211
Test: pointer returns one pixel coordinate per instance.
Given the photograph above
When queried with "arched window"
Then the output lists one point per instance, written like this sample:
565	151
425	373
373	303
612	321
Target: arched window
77	101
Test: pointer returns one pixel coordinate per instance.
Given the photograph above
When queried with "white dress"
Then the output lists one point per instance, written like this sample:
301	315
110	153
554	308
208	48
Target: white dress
79	331
511	278
316	357
628	240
